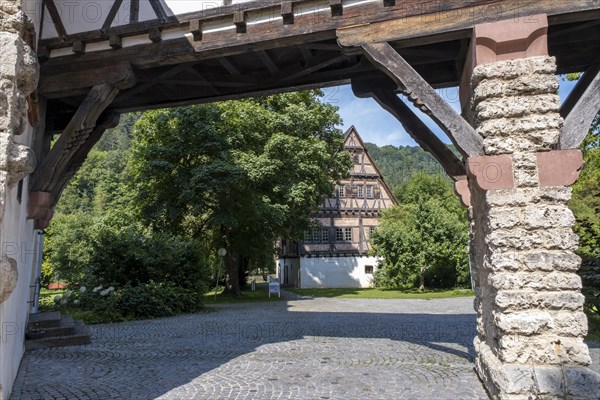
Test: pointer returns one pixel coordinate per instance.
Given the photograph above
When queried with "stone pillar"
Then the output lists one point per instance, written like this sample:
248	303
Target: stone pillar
530	321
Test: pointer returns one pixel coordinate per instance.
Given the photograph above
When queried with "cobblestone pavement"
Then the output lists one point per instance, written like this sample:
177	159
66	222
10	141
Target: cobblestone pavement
294	349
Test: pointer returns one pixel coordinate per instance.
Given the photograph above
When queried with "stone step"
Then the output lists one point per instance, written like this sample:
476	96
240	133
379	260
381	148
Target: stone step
80	336
66	327
44	320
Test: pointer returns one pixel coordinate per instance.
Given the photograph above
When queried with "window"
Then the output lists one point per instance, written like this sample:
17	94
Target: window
360	193
325	235
347	234
341	191
343	234
307	236
369	269
316	235
369	191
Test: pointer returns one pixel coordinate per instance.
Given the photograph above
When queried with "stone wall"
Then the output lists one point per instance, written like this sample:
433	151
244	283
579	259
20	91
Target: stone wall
18	81
530	322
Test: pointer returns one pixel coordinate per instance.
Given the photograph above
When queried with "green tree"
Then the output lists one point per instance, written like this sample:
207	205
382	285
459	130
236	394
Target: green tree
425	237
247	171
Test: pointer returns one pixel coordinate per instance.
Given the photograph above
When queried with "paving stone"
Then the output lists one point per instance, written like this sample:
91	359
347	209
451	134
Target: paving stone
296	349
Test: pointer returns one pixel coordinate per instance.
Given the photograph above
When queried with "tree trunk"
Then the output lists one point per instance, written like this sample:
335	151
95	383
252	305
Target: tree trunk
422	278
232	272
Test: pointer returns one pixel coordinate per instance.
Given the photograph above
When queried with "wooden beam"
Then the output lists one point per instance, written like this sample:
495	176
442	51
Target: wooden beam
228	65
464	137
159	10
140	88
239	20
580	118
268	62
443	17
582	84
111	16
287	12
316	66
134	11
61	85
106	121
79	47
424	137
56	20
196	29
49	174
115	41
154	35
337	8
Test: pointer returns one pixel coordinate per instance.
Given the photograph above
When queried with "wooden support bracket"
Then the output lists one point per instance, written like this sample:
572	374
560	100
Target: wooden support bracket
287	12
424	97
50	175
382	91
337	8
580	110
239	20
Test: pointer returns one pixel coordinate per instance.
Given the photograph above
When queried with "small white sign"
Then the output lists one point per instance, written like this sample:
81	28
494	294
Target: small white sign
274	288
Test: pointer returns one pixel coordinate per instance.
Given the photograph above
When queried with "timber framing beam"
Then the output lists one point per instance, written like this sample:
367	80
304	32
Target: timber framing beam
105	121
423	96
580	109
383	93
65	156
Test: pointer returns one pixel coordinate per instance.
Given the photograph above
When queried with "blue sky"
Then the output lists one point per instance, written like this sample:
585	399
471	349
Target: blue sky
376	125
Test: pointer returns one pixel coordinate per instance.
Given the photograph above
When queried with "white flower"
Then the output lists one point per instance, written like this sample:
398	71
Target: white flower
111	289
104	292
57	298
68	294
97	288
63	302
76	302
82	289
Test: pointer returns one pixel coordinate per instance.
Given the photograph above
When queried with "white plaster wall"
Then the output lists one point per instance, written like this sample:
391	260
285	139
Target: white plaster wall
17	241
336	272
289	267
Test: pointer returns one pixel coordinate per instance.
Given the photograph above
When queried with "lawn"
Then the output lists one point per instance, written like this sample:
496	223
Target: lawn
383	293
248	296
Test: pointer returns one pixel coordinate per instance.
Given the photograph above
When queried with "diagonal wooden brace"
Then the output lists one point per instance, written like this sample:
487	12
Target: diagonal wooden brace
580	109
409	82
49	176
383	92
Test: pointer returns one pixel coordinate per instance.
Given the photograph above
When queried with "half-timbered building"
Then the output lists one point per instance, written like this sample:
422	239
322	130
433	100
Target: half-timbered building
336	252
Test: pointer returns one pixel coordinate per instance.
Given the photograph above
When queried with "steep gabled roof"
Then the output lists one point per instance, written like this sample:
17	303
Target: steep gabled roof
352	133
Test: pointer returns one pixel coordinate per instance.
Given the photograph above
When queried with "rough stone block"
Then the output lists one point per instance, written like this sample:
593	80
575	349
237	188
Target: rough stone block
534	84
518	300
536	217
524	323
553	281
517	127
517	106
549	260
503	217
570	324
522	239
543	349
512	69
